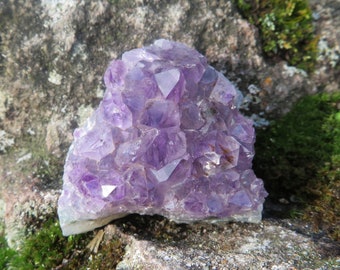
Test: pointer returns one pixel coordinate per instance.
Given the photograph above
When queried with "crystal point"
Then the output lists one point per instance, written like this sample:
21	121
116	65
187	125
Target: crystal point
166	139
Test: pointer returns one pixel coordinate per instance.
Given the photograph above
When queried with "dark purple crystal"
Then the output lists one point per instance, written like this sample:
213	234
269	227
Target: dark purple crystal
166	139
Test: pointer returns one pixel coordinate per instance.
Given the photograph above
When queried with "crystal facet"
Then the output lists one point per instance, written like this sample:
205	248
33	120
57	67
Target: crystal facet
166	139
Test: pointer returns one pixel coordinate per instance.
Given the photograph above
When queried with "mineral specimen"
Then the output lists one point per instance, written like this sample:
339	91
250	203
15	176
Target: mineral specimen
166	139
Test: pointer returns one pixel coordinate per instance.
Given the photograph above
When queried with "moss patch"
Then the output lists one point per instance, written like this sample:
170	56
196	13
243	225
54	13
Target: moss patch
299	159
286	29
49	249
6	254
46	249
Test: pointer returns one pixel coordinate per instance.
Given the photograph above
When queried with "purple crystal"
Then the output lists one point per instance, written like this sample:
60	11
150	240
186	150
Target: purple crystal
166	139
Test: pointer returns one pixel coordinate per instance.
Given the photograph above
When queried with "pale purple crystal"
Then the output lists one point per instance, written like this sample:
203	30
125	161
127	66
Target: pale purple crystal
166	139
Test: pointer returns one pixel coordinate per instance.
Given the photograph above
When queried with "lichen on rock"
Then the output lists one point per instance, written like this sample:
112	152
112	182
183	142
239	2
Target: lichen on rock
75	39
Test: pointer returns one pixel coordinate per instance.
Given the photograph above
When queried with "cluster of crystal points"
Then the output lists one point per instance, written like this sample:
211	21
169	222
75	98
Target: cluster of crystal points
166	139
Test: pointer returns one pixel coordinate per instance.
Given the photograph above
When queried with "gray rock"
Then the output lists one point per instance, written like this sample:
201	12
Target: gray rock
52	58
270	245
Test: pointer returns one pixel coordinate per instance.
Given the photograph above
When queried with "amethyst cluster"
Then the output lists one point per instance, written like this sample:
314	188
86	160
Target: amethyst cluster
166	139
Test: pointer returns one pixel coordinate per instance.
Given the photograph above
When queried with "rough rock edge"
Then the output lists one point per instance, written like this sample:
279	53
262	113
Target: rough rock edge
269	245
25	83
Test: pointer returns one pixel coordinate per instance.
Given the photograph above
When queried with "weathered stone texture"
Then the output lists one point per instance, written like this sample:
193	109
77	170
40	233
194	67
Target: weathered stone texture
53	55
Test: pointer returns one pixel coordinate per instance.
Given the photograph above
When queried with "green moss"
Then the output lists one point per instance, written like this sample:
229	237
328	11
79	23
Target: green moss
299	156
6	254
286	29
49	249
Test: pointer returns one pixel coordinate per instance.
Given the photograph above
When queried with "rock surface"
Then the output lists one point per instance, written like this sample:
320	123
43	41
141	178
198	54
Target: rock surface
269	245
53	55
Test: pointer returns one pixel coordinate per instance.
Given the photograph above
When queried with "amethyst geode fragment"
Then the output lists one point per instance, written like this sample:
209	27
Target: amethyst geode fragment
166	139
